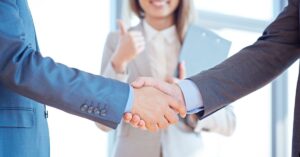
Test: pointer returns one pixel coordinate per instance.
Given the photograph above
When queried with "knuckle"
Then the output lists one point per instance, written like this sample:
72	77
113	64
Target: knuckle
173	120
152	128
164	126
155	129
176	120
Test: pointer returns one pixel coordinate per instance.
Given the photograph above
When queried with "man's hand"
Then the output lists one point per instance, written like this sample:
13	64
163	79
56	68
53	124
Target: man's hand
134	121
156	109
172	90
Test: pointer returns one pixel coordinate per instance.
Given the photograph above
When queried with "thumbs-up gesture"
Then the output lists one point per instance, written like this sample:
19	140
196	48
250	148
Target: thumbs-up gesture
180	75
131	43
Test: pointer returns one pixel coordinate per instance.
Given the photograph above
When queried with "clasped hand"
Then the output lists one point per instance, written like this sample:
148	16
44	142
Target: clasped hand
156	104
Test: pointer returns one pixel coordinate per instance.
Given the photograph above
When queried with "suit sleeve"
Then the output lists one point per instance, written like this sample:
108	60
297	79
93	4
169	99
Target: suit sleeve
27	72
254	66
106	68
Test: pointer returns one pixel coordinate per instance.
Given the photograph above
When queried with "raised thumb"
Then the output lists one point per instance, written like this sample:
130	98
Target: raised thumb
122	27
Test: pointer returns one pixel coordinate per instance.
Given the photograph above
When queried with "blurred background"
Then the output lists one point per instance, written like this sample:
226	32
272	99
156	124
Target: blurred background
73	32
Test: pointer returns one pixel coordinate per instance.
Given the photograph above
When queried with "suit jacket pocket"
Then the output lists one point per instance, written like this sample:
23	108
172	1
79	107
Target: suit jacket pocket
16	117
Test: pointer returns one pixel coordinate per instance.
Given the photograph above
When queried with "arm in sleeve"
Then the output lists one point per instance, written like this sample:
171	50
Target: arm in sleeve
107	69
254	66
192	96
25	71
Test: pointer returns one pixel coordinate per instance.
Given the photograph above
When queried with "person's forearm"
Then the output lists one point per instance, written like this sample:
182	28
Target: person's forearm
192	96
25	71
119	64
112	73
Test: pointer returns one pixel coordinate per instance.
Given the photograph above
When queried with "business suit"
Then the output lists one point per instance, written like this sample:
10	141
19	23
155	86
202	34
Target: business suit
28	80
255	66
132	142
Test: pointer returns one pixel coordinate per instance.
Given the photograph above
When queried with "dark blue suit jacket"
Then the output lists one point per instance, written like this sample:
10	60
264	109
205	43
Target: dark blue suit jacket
28	80
255	66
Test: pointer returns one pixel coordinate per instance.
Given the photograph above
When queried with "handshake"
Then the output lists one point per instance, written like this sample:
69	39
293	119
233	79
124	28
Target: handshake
156	104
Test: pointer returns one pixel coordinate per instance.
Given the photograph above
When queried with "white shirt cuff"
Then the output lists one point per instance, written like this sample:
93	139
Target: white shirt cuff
192	96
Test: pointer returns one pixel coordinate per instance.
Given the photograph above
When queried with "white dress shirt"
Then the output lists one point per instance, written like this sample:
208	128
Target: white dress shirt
192	96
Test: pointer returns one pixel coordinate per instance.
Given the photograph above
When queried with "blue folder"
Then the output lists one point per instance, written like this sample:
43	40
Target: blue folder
202	49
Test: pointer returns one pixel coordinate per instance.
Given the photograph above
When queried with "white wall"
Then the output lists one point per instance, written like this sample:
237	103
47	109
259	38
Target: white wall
73	32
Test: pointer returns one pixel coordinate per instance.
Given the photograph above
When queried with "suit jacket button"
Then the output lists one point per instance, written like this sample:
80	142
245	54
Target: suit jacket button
96	111
90	109
103	112
84	107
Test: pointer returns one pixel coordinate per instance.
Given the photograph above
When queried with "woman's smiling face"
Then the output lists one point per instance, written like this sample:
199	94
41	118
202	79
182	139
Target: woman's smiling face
159	8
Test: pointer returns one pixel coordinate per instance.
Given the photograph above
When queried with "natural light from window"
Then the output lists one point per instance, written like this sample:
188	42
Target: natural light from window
73	32
254	9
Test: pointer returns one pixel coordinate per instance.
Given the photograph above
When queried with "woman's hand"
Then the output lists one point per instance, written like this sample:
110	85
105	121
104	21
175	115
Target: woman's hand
130	45
181	73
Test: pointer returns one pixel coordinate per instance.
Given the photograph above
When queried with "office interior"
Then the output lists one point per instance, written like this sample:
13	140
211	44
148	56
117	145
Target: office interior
74	32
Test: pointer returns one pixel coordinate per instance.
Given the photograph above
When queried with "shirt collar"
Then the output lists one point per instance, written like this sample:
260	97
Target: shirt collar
169	34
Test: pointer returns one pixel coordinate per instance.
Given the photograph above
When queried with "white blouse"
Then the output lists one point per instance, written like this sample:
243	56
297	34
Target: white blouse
162	50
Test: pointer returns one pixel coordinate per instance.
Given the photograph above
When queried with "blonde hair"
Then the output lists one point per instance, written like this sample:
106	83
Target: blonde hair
183	15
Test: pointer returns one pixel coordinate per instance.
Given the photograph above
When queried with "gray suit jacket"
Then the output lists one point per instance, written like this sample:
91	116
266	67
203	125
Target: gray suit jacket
132	142
255	66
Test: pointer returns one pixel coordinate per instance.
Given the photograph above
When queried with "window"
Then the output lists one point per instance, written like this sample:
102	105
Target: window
253	114
73	33
255	9
242	21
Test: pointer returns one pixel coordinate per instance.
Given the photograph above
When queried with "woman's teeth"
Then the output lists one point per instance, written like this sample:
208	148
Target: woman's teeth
158	3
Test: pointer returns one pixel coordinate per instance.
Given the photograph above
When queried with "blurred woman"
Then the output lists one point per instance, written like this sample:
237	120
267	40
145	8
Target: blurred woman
152	49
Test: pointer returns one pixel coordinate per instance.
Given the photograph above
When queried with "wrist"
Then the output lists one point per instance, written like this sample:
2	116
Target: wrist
135	100
179	94
130	100
119	64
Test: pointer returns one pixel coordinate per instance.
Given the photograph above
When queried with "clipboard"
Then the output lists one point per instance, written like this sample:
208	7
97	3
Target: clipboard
202	49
